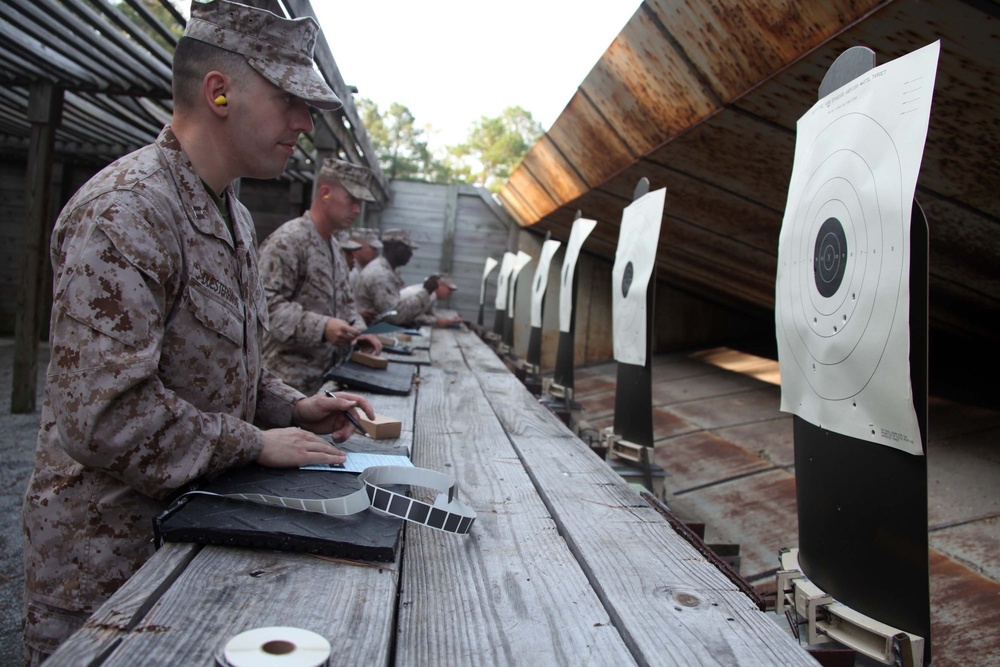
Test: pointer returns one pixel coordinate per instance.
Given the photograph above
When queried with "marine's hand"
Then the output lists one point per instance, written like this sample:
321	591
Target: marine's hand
368	314
370	341
339	332
292	447
322	414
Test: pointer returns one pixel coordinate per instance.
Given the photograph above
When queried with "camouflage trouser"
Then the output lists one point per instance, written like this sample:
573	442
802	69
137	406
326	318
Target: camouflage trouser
45	628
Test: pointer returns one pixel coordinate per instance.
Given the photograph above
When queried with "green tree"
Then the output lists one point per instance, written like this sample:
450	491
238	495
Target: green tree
492	151
399	144
496	146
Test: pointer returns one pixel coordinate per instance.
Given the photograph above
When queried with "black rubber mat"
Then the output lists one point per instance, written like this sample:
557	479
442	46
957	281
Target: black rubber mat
367	535
396	378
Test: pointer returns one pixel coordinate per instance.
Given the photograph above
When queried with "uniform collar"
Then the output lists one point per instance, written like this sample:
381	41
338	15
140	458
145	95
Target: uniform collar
198	206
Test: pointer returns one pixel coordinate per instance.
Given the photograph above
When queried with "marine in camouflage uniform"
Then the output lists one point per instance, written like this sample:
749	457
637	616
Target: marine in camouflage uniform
156	375
306	283
370	246
380	283
428	318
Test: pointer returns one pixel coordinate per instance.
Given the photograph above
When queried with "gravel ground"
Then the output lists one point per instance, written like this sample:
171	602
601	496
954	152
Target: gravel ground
17	454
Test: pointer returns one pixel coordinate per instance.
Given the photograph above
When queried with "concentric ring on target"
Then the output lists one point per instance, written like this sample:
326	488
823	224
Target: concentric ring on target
842	263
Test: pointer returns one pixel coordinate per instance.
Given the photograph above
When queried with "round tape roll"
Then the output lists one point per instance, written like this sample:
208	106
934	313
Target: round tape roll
267	647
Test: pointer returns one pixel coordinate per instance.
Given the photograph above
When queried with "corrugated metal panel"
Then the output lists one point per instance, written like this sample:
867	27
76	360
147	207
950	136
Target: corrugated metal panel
644	88
564	183
582	133
704	98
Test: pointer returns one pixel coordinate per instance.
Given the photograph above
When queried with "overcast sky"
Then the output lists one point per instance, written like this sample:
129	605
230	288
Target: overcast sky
452	61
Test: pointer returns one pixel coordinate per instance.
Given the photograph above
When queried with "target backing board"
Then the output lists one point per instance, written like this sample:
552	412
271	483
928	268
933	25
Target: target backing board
521	260
582	227
541	281
842	289
635	258
487	270
506	266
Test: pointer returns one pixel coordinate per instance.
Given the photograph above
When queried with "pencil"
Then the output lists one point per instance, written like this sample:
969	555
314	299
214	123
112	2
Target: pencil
351	418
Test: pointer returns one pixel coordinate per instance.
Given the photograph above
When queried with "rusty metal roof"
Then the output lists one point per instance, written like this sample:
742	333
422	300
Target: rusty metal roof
703	98
117	80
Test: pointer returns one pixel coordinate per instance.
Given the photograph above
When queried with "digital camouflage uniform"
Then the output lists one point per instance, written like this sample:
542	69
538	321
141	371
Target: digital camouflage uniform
352	278
428	318
379	287
155	376
305	282
370	237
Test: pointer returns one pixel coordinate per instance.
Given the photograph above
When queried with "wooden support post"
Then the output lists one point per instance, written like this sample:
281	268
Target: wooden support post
448	244
44	110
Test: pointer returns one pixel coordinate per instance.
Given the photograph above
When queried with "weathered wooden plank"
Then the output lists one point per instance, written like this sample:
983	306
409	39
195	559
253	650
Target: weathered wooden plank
125	610
122	623
509	592
225	591
671	605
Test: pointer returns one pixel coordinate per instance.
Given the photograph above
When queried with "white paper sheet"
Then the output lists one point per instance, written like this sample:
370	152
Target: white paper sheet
581	230
521	261
842	291
487	270
506	266
635	258
541	281
358	461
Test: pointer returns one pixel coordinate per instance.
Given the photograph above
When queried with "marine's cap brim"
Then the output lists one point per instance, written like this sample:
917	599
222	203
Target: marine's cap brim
356	190
303	82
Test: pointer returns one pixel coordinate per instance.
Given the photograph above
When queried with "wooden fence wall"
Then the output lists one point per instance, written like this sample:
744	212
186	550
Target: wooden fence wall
457	227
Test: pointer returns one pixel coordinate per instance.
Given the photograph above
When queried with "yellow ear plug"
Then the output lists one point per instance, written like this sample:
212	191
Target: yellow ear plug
220	101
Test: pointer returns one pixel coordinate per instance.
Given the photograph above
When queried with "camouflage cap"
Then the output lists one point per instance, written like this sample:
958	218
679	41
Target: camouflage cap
401	235
344	238
355	178
279	49
369	236
445	279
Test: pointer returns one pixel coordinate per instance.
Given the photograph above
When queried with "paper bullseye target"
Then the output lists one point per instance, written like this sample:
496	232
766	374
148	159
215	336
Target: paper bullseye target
635	259
582	227
842	290
549	249
844	260
506	266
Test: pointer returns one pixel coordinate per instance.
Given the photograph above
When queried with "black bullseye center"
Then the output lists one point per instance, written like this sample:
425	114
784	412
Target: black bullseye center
830	257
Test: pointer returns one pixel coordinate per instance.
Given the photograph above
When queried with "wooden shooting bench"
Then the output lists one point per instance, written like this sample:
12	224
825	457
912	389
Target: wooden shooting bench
565	564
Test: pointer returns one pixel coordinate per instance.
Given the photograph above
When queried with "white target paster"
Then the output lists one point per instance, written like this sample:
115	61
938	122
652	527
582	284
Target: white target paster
277	645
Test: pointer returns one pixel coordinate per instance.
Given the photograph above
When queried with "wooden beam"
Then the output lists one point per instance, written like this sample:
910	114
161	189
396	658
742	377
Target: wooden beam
448	243
44	107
